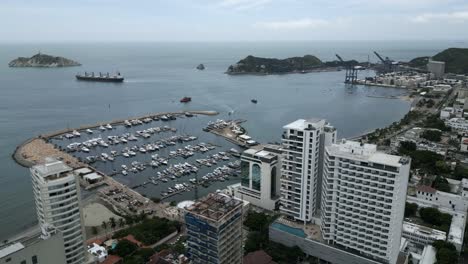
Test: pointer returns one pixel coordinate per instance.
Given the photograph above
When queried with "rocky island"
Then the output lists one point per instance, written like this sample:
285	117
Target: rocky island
263	66
43	60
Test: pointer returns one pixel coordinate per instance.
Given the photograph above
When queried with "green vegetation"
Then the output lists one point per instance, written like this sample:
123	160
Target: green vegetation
419	62
258	239
436	218
432	135
425	160
433	121
379	134
440	183
460	172
130	252
173	203
456	60
446	252
411	209
150	231
124	248
259	65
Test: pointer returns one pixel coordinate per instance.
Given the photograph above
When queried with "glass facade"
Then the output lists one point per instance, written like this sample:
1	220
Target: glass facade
245	181
273	183
256	177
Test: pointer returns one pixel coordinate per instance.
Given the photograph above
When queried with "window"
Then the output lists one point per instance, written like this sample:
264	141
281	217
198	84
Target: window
34	259
23	262
256	177
245	181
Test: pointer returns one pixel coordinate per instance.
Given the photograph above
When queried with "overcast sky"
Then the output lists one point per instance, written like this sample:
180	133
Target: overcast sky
231	20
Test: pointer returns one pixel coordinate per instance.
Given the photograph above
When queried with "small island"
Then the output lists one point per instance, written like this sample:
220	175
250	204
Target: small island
305	64
43	60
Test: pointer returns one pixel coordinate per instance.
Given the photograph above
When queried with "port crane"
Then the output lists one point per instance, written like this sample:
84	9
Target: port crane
388	64
351	70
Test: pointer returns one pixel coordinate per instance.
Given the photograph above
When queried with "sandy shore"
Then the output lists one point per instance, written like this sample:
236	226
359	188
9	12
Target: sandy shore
36	150
95	213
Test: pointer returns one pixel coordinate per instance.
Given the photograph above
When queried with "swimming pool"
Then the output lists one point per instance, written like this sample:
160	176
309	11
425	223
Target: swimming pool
292	230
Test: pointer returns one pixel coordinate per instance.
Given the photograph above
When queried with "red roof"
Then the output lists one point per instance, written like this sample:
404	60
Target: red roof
132	239
426	189
258	257
112	259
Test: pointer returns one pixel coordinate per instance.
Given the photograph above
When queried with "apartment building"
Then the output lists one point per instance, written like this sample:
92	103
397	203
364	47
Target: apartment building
303	145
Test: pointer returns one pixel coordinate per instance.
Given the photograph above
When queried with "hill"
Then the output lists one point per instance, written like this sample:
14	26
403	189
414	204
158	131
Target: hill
42	60
456	60
257	65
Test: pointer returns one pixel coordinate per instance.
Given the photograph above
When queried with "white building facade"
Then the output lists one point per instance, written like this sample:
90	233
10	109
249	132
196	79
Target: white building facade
303	145
57	197
260	176
363	199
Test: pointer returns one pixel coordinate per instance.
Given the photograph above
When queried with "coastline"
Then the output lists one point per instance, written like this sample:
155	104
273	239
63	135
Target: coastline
326	69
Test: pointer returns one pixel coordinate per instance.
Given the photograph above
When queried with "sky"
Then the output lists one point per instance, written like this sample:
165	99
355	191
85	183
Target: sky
231	20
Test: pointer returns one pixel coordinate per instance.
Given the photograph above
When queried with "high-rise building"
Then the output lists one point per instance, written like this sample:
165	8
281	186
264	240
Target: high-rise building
260	173
214	230
303	145
45	246
57	197
363	199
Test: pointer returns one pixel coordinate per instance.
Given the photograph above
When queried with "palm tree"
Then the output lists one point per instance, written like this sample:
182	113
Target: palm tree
121	222
112	222
104	225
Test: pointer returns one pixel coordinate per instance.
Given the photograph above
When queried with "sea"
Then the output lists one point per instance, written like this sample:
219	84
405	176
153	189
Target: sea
158	75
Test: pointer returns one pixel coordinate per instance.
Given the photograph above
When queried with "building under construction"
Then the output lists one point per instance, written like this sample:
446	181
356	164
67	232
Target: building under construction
214	230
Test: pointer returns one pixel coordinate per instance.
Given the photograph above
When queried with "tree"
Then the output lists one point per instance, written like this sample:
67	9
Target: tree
94	230
406	147
104	225
440	183
434	217
124	248
446	252
112	222
460	172
121	222
173	203
432	135
411	209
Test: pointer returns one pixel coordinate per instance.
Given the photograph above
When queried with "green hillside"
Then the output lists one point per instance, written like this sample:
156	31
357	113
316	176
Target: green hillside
456	60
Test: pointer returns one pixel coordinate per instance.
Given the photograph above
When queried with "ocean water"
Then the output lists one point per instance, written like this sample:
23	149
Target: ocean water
35	101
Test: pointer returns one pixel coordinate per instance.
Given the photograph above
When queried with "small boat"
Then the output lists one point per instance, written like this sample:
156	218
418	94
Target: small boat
254	101
186	99
102	128
89	131
108	126
201	67
124	172
76	133
188	114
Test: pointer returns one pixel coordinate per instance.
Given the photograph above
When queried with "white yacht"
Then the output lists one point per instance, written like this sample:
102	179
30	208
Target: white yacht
89	131
108	126
76	133
102	128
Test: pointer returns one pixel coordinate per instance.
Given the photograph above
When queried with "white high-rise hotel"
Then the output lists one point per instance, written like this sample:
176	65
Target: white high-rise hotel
354	192
363	199
303	143
57	197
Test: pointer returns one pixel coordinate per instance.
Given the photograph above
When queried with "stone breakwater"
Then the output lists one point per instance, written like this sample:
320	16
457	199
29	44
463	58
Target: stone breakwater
33	151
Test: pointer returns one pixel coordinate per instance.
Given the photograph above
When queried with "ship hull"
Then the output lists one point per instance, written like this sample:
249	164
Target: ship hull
99	79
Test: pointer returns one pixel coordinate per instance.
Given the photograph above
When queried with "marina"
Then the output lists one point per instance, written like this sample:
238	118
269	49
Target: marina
157	156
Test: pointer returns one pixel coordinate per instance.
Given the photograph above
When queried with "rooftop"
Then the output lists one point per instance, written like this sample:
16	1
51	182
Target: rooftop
214	206
302	124
426	189
258	257
425	231
457	228
51	167
27	240
260	152
364	152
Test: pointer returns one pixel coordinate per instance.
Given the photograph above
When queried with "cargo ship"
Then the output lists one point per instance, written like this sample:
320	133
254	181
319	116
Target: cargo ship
100	78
